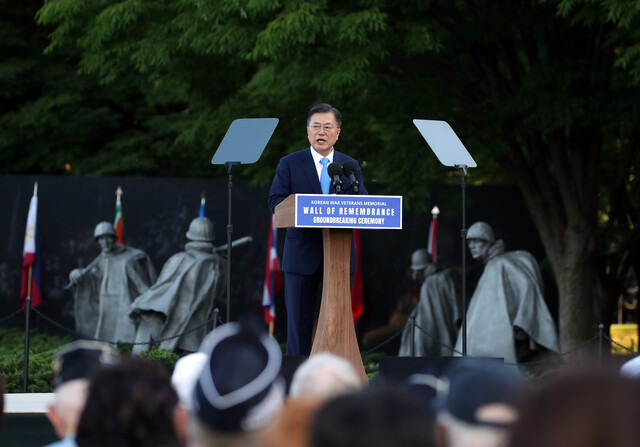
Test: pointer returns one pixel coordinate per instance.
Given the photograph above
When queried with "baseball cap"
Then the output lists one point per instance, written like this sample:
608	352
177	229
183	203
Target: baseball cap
239	388
79	359
185	373
481	392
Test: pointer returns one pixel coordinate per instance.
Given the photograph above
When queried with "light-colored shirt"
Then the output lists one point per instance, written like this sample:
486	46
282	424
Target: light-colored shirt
316	159
66	442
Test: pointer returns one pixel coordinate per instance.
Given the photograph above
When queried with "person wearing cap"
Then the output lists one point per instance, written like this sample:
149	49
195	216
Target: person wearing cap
104	290
239	391
438	313
476	402
507	314
184	297
186	372
73	364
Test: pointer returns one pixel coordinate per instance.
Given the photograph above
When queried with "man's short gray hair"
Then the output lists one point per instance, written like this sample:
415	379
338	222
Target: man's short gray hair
324	375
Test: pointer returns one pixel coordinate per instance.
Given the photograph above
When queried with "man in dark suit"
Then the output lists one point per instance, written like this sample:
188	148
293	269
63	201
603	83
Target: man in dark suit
302	173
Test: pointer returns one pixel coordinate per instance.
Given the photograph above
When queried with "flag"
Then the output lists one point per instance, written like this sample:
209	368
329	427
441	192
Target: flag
272	276
202	203
30	285
357	305
118	223
432	244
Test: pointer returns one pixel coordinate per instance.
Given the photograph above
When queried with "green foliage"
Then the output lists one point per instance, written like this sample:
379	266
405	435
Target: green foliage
166	357
543	93
41	349
371	363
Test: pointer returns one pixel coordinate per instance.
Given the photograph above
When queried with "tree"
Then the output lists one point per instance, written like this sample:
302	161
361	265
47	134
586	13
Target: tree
533	87
54	119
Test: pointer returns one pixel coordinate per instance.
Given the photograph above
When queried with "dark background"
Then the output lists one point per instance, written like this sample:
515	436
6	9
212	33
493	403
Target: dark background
157	213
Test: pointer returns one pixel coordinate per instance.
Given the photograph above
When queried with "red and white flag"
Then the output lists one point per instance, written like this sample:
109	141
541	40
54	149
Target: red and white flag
272	276
30	286
432	244
118	223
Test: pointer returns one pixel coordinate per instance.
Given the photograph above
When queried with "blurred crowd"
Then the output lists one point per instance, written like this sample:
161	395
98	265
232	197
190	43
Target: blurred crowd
232	393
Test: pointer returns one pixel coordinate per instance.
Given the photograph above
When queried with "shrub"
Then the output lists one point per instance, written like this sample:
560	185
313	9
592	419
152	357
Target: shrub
41	349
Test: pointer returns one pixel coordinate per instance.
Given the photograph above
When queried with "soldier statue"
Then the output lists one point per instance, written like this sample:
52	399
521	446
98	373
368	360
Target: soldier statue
437	314
104	290
507	315
183	299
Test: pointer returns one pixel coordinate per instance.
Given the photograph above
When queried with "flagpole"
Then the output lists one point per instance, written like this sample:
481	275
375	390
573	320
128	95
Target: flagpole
28	313
26	333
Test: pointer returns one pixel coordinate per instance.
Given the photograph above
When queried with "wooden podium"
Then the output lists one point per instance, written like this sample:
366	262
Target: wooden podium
335	331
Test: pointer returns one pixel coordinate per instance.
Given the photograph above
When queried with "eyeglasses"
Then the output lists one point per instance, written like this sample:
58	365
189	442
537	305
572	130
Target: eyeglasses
326	127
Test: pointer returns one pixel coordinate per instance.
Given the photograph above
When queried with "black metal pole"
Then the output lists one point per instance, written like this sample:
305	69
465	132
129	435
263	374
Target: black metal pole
600	342
216	311
229	165
26	345
413	333
463	235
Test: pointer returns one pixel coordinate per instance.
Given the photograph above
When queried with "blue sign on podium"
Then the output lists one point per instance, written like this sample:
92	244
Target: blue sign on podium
348	211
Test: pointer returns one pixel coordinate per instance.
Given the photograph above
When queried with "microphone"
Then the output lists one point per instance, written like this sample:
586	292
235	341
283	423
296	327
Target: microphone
335	172
349	169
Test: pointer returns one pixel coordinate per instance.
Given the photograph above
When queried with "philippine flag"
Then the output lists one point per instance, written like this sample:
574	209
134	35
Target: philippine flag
31	258
272	277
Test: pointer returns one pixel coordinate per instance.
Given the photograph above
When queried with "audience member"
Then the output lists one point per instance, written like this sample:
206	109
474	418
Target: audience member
476	403
586	408
631	368
239	390
73	364
319	378
324	375
130	404
378	416
185	374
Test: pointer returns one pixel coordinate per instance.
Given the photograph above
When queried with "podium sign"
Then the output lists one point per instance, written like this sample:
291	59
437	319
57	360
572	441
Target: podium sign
336	215
348	211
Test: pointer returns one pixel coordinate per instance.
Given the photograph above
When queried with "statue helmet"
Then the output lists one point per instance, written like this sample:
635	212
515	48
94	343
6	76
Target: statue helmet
420	259
104	228
200	229
481	230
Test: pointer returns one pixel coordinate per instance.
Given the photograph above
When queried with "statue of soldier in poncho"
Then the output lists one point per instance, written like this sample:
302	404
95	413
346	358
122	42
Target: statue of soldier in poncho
183	299
104	290
437	315
507	315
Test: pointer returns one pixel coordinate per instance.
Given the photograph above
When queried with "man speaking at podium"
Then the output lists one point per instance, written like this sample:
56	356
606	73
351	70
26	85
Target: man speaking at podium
306	172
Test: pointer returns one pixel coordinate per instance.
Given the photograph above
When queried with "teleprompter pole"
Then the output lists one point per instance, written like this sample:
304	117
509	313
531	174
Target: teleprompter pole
229	165
463	236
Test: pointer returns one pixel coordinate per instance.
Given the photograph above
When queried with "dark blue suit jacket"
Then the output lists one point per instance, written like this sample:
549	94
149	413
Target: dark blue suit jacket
296	173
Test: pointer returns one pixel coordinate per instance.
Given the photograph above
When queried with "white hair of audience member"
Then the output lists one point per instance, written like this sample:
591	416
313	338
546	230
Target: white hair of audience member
631	368
64	412
462	434
324	375
185	375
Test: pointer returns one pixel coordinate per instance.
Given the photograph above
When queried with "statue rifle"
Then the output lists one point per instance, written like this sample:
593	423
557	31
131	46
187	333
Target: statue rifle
84	271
